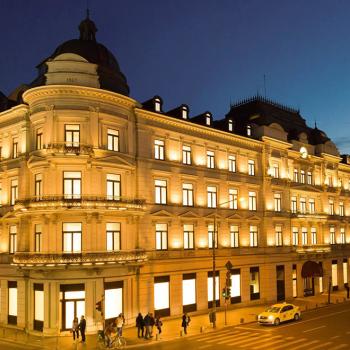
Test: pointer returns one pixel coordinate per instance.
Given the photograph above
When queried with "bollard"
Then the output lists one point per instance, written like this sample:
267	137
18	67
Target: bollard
256	317
157	336
241	320
181	333
202	329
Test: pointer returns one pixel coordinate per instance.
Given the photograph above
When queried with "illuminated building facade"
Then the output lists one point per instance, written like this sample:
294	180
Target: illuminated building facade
104	196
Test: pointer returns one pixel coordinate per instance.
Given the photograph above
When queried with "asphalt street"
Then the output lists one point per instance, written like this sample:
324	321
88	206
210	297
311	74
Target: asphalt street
325	329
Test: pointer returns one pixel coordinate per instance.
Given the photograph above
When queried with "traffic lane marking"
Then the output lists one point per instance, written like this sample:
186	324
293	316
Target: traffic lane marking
341	346
306	344
249	340
290	343
245	338
317	347
219	337
313	329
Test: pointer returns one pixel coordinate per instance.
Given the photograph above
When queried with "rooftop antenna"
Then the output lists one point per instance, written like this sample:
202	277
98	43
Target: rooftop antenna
265	85
315	124
87	9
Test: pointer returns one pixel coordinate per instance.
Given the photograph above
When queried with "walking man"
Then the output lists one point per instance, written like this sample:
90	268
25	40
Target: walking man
140	325
147	323
82	327
185	322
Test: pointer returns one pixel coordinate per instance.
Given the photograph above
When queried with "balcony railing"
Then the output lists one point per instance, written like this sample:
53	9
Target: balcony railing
132	257
70	148
76	201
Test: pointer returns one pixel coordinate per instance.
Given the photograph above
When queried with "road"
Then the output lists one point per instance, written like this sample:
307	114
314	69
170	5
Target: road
325	329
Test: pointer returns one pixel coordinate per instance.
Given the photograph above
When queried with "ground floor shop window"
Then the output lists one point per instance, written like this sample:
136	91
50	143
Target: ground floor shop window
12	302
235	286
294	276
335	274
345	270
280	284
162	296
254	283
320	280
189	292
38	307
113	303
73	303
211	289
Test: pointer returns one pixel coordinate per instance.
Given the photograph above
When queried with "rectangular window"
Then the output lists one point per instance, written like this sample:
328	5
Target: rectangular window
235	286
335	274
113	140
160	191
233	198
331	207
295	236
332	235
187	195
13	239
295	175
342	235
72	184
294	276
38	307
189	292
275	171
341	208
254	283
302	205
232	164
15	149
12	302
38	238
304	240
162	296
186	155
14	191
312	206
309	178
253	236
39	140
211	196
113	299
234	235
212	235
38	187
159	149
302	176
277	202
230	125
207	120
72	135
251	167
313	235
345	270
188	237
278	234
161	236
210	159
72	237
211	289
252	200
113	236
293	204
113	187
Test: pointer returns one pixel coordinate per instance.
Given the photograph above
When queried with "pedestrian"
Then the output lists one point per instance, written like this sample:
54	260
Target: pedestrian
75	328
347	290
82	327
152	323
120	323
109	330
140	325
159	324
147	323
185	322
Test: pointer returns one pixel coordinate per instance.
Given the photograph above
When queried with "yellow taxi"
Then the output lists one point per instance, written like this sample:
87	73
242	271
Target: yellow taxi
279	313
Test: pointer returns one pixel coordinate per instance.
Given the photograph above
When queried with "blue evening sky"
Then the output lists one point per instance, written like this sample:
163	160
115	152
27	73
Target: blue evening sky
205	53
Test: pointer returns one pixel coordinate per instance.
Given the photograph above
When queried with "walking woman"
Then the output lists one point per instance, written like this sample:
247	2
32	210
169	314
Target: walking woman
185	322
75	328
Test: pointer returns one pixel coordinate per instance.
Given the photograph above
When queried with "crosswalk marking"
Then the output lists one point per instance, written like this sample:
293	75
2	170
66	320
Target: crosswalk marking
215	339
289	343
270	343
306	344
341	346
250	340
212	335
237	340
204	346
320	346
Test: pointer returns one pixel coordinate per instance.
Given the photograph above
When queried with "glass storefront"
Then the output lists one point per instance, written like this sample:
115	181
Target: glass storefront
38	307
113	299
162	296
189	292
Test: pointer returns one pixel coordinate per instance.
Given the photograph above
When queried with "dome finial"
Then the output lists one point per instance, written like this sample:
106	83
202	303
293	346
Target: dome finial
87	28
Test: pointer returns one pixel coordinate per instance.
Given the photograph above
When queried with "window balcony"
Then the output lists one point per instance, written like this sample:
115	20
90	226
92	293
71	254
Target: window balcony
314	248
97	258
74	148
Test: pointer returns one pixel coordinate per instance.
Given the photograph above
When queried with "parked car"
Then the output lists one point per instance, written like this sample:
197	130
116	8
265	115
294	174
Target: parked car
278	313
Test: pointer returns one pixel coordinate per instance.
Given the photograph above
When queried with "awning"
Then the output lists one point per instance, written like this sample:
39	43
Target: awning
311	269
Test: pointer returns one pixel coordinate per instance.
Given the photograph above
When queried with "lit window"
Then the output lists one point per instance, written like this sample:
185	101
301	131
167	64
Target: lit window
294	276
13	239
249	130
302	205
113	140
254	285
277	201
160	191
210	159
212	237
211	196
39	139
345	270
253	236
72	237
341	208
159	149
313	235
278	235
252	200
331	207
113	298
12	302
309	178
186	155
334	273
38	307
312	206
295	236
211	289
232	164
296	175
184	113
234	233
161	236
38	238
293	204
230	125
72	135
251	167
342	235
113	236
72	184
189	289
233	198
332	235
188	237
15	149
14	191
207	120
275	171
304	236
187	195
157	105
38	187
302	176
113	187
161	293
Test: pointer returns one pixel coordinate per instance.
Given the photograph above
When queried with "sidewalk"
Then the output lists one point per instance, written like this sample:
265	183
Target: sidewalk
171	327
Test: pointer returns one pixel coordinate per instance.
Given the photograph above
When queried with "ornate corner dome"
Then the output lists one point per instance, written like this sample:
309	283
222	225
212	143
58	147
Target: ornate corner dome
84	62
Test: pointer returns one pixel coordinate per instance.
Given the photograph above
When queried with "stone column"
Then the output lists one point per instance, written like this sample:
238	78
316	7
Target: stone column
202	290
245	284
175	295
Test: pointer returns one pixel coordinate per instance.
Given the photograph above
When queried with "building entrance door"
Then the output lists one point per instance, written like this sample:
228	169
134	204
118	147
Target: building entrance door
280	283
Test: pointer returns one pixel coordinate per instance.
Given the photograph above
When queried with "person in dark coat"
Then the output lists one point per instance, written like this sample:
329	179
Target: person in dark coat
140	325
152	323
147	323
159	324
82	327
185	322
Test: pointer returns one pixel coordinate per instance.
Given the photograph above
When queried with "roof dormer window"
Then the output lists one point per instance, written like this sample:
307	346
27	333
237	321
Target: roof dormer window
157	105
249	130
207	119
184	113
230	125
